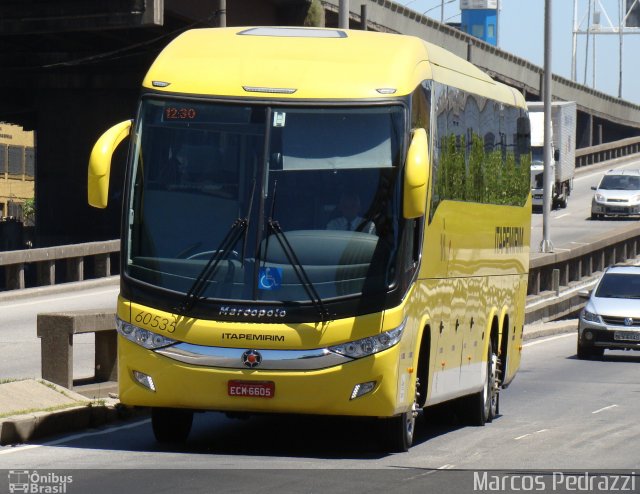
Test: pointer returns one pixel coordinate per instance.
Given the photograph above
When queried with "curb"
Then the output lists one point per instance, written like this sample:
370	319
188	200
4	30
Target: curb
550	329
23	428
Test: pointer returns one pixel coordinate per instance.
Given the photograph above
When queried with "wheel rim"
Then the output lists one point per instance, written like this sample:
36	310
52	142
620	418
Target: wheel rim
493	386
489	394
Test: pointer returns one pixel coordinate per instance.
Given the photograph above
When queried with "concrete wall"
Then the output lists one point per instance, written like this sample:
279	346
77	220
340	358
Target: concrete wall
14	187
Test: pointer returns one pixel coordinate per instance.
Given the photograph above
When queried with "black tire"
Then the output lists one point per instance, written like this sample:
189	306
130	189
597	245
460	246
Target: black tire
171	425
596	216
400	431
482	407
563	198
564	201
589	352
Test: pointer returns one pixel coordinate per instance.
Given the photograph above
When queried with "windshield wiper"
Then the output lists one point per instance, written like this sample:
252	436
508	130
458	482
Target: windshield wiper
298	268
238	230
198	287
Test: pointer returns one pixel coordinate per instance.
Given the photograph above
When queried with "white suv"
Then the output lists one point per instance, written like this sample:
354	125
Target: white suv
618	194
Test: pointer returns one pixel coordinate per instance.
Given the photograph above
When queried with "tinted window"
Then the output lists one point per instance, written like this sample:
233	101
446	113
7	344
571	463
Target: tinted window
618	285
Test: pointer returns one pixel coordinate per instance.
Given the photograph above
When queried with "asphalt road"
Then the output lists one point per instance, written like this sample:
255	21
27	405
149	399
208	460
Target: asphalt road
573	226
19	343
559	414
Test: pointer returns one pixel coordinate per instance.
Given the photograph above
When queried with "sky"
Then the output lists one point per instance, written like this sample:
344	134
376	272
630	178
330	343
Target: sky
521	32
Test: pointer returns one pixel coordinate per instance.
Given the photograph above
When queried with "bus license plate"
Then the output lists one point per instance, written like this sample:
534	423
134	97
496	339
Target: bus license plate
626	336
252	389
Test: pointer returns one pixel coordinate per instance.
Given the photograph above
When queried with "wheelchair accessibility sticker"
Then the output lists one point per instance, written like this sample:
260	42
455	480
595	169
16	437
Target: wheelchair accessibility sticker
270	278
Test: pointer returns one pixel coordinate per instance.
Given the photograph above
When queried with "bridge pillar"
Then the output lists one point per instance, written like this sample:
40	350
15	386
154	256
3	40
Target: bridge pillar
14	275
46	273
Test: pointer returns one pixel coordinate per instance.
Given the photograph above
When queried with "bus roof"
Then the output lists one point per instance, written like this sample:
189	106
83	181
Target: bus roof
311	63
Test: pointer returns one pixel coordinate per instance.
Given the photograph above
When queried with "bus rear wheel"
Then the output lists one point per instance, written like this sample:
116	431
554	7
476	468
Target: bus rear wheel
171	425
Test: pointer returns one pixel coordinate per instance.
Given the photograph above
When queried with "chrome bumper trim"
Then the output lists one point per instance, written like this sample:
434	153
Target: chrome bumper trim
231	358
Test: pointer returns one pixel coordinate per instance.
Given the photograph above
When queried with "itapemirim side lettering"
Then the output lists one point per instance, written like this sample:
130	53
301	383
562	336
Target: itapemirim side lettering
509	239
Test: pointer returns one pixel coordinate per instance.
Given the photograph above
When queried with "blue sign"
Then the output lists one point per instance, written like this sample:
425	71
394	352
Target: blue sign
270	278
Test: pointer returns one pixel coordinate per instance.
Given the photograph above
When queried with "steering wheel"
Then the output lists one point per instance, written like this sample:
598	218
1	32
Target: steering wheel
208	254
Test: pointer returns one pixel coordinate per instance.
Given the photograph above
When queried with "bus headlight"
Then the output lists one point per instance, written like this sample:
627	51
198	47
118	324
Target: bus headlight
369	346
142	337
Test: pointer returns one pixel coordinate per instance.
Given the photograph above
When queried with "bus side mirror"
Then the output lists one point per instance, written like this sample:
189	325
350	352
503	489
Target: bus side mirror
100	163
416	176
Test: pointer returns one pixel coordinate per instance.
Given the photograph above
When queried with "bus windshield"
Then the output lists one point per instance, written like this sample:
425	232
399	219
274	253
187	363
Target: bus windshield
325	178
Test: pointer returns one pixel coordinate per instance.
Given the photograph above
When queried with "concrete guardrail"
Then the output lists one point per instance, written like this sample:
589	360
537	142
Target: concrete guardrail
46	260
609	151
56	331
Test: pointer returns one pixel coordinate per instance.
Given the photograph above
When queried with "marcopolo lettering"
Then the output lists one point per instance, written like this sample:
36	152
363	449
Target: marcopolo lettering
273	313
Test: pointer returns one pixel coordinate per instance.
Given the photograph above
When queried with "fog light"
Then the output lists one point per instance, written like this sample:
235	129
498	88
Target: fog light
362	389
144	379
588	335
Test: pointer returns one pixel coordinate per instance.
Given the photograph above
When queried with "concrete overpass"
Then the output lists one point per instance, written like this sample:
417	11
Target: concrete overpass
71	69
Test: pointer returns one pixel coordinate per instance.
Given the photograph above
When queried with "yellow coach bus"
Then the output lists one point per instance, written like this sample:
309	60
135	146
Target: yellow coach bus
319	221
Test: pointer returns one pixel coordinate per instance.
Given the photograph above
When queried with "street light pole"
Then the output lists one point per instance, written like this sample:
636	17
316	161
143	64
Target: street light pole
546	245
343	14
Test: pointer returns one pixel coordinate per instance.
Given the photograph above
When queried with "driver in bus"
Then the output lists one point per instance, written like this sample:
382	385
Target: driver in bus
349	218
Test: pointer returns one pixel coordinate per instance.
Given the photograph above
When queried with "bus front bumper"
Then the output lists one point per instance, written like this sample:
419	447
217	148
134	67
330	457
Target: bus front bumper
147	378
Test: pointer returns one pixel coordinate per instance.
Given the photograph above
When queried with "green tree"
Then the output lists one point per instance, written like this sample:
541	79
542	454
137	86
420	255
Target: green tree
29	212
315	15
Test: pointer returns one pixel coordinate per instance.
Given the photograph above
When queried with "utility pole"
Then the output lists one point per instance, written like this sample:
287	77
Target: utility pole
222	13
546	245
343	14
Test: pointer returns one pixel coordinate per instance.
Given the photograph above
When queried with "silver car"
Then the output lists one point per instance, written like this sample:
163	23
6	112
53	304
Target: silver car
611	318
618	194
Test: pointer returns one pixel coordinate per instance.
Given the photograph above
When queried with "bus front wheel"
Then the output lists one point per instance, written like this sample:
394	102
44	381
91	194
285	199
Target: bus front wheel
483	406
171	425
399	432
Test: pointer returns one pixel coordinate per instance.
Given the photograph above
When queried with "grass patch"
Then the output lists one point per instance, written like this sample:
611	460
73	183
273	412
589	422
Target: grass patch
11	380
34	410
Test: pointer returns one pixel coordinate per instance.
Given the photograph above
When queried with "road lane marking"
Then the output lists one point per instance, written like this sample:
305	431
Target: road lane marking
562	216
58	299
446	467
75	437
605	408
420	475
539	341
530	434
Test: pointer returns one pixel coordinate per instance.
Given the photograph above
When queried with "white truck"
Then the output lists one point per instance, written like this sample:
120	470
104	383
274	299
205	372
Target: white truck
563	151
